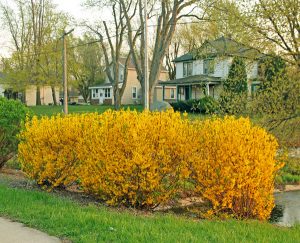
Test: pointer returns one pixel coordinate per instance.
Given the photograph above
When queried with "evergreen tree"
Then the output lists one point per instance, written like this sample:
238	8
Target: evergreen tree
234	96
237	78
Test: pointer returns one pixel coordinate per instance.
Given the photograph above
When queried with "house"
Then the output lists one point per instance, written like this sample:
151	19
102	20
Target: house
103	94
202	72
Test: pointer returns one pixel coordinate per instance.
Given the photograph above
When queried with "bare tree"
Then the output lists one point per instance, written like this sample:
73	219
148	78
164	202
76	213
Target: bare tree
169	13
113	44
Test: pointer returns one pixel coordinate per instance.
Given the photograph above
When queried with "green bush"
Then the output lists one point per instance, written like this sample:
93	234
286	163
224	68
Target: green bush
12	114
205	105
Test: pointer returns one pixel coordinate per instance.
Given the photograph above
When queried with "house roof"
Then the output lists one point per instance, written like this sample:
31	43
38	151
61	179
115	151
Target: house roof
220	47
186	57
195	79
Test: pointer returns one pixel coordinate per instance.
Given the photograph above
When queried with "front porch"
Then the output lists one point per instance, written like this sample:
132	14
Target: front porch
194	87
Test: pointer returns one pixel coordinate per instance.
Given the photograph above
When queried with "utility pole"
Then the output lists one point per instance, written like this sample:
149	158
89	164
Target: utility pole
65	70
146	78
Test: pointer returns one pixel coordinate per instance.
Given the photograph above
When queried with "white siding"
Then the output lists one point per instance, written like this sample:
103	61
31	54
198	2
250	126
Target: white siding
198	67
179	70
222	66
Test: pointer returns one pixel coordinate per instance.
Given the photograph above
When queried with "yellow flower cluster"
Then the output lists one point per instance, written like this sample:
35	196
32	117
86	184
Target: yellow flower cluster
143	159
236	167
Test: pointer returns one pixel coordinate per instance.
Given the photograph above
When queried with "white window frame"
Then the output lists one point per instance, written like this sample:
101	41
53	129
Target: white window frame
134	92
107	92
186	69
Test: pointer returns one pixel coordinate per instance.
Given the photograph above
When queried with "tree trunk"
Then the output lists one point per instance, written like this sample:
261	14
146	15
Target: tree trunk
117	98
38	95
53	95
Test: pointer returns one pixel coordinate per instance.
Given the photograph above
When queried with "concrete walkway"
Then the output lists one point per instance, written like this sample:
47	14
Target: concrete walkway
12	232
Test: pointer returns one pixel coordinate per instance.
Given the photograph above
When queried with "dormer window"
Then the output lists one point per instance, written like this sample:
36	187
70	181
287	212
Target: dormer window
208	66
187	69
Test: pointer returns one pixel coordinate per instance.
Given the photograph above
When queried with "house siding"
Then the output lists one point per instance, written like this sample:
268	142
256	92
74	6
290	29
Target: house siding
179	70
46	95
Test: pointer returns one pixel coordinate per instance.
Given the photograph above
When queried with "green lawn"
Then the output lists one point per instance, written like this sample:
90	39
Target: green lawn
52	110
67	219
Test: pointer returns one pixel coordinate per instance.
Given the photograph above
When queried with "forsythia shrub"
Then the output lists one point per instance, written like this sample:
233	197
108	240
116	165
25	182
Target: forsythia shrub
236	167
137	159
142	159
50	147
126	157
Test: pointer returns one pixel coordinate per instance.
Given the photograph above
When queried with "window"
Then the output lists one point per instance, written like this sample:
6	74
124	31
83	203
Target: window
107	93
93	93
208	66
134	92
96	91
172	93
187	69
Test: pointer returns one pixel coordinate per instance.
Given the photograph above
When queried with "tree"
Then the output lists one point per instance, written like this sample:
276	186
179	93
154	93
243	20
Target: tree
168	14
277	21
278	98
234	96
113	44
86	65
33	26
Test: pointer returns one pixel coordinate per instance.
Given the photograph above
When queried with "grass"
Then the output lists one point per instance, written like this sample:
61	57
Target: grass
52	110
290	173
67	219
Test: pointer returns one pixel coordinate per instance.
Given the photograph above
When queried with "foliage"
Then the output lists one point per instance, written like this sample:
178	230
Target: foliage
86	65
290	173
236	167
205	105
278	99
12	113
234	96
143	159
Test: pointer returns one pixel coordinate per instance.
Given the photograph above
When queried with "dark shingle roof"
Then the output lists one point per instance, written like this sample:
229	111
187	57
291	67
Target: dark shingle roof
220	47
195	79
186	57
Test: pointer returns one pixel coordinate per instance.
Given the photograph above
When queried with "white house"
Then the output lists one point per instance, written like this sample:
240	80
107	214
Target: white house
202	73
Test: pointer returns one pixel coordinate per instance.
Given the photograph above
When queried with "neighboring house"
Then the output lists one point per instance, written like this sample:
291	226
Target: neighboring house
203	72
46	95
103	94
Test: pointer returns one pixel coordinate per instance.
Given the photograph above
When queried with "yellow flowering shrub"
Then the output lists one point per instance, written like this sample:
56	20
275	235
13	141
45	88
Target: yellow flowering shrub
137	159
142	159
49	148
236	167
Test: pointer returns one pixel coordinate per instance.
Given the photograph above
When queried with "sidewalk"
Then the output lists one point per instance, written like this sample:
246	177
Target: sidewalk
12	232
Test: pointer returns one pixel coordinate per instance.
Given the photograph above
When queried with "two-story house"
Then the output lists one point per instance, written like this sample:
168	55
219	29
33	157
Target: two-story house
202	72
103	94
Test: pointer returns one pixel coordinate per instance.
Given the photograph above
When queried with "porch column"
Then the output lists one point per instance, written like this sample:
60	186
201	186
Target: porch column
190	91
163	93
177	93
207	89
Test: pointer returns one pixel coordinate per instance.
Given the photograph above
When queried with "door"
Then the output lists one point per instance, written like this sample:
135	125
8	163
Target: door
101	96
187	92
